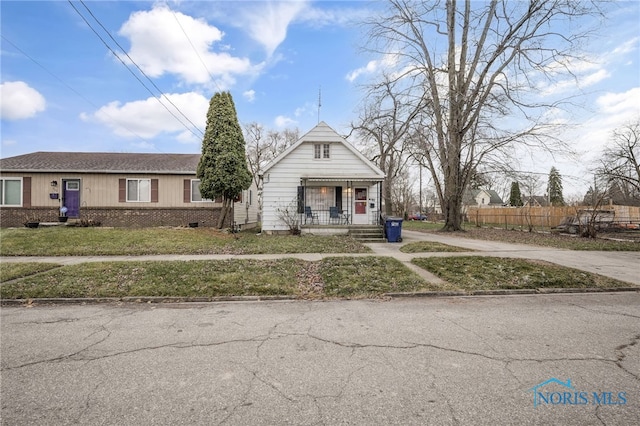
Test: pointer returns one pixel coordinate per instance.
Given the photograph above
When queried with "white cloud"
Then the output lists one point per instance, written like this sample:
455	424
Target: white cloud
19	101
159	45
282	122
249	95
148	118
387	62
623	104
627	46
342	16
267	22
9	142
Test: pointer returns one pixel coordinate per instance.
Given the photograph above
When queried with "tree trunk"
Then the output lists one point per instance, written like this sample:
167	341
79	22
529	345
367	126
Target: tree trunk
386	196
224	212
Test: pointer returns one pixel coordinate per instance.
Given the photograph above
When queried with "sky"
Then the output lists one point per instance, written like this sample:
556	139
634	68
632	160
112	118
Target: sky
286	64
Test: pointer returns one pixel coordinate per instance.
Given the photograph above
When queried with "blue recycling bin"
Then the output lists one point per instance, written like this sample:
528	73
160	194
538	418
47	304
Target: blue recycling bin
393	229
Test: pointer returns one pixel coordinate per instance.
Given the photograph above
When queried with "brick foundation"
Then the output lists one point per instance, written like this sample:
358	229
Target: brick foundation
120	217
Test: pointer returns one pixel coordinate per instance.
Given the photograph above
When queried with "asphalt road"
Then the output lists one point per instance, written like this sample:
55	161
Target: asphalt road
440	361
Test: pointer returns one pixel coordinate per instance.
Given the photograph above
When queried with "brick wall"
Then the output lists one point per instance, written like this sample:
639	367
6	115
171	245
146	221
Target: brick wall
120	217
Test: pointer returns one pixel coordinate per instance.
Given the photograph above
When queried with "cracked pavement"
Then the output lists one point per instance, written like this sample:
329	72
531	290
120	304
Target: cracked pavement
456	360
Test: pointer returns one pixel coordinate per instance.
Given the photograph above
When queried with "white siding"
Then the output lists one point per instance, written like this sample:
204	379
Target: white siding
245	212
281	180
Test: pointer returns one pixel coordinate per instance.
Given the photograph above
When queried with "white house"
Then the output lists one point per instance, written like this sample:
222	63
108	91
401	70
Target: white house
322	182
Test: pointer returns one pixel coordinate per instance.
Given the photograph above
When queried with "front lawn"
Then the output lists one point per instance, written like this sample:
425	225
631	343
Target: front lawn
75	241
490	273
331	277
430	246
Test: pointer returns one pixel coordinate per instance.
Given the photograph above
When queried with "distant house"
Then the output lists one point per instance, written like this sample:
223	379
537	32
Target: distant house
482	198
536	201
322	182
115	189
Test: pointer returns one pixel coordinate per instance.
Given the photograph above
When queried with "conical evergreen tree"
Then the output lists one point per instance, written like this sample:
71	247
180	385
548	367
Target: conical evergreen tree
515	197
555	188
223	170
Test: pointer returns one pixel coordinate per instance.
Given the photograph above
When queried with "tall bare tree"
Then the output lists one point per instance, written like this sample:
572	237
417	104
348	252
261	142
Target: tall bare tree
384	127
473	64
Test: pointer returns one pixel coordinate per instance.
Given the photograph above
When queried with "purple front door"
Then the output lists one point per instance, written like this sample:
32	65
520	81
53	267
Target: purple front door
71	197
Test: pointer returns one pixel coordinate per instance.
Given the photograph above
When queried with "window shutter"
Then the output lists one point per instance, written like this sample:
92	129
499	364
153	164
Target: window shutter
187	191
154	190
122	190
26	191
301	199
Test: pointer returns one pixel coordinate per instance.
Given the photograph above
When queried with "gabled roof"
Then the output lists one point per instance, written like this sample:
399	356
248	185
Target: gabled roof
470	196
536	199
101	162
323	133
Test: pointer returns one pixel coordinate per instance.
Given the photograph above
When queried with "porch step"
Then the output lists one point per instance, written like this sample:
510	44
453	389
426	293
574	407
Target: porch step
367	233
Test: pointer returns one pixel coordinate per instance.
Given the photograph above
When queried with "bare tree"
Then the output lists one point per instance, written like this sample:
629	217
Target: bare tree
620	163
473	64
402	194
384	127
262	146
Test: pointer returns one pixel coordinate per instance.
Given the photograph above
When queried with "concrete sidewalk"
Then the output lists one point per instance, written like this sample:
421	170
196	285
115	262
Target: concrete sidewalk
624	266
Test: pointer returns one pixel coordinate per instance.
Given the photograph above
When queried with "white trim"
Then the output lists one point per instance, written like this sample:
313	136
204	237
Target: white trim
138	190
3	190
201	200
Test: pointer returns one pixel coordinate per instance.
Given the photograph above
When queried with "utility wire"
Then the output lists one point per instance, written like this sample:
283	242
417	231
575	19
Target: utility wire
195	50
134	74
138	67
69	87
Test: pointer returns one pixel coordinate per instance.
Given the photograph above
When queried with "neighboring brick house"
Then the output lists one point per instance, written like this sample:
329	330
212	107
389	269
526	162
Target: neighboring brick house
115	189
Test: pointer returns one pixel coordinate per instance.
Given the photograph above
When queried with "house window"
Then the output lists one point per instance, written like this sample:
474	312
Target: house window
11	192
139	190
321	151
195	192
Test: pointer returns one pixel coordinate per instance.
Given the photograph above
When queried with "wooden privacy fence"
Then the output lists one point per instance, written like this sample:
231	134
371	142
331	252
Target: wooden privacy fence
541	217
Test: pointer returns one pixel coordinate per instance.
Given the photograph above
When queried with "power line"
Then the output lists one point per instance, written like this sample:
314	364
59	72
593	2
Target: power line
139	69
68	86
195	50
136	77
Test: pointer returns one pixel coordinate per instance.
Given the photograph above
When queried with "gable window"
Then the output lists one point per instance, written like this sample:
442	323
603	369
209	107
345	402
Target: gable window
195	192
139	190
10	192
321	150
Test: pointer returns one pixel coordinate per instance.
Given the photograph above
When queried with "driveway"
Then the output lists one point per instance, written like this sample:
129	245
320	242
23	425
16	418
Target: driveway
440	361
624	266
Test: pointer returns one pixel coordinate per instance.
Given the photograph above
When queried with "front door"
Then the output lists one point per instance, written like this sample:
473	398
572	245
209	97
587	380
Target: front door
71	197
360	216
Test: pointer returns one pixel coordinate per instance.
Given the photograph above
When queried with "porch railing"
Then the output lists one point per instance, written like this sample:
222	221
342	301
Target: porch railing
326	217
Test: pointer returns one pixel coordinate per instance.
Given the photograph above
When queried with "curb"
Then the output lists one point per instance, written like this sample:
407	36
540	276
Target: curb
434	294
140	300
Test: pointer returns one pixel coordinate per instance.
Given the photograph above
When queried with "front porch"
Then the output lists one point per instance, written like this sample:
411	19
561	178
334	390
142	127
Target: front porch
338	203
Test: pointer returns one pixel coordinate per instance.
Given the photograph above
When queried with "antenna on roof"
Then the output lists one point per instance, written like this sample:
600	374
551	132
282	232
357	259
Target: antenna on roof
319	101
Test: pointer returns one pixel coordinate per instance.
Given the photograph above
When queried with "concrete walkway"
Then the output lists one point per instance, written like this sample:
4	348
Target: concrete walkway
624	266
